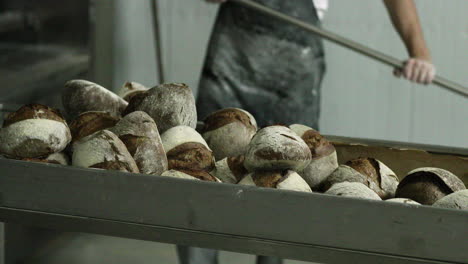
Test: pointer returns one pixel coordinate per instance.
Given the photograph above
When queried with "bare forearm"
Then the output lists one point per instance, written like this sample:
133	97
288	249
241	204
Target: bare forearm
406	21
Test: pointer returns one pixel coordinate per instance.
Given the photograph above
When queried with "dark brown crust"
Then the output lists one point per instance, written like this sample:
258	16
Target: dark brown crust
135	102
236	165
91	122
132	142
267	179
226	116
319	146
423	187
41	160
452	181
112	165
116	150
34	111
130	96
200	174
368	167
191	156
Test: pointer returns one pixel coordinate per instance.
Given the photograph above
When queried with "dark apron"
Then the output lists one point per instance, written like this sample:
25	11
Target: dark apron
269	68
263	65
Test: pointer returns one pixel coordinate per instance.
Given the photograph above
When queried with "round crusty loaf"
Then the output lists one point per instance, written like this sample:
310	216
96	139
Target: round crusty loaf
130	89
103	150
230	170
191	175
169	105
55	158
139	133
324	158
282	180
81	96
456	200
228	132
403	201
178	174
277	148
33	131
370	172
353	189
428	185
187	150
91	122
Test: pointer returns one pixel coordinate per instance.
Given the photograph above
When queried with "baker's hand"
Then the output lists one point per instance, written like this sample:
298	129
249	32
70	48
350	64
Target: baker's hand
216	1
417	70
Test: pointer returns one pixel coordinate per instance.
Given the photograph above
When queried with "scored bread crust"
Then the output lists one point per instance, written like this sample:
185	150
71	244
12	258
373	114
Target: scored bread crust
354	190
277	148
33	138
130	89
170	105
456	200
139	133
104	148
81	96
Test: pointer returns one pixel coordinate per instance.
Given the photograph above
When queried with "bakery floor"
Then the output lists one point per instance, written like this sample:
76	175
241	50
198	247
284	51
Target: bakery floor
75	248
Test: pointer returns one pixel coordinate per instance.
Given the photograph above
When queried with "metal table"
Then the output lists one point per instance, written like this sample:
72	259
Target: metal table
39	198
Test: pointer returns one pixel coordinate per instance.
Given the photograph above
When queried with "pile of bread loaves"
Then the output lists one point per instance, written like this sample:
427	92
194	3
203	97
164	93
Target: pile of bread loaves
153	131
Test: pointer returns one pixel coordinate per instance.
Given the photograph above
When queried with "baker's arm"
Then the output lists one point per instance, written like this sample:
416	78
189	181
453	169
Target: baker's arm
404	16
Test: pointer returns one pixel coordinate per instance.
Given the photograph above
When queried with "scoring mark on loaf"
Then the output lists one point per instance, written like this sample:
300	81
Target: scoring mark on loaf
33	111
191	155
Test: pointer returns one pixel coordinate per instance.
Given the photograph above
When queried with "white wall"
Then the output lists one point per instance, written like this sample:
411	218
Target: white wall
360	97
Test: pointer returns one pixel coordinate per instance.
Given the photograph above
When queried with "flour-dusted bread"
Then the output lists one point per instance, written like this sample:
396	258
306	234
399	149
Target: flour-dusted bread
191	175
368	171
228	132
91	122
428	185
324	158
277	148
187	150
103	150
282	180
169	105
33	131
456	200
139	133
130	89
403	201
55	158
178	174
353	189
230	170
81	96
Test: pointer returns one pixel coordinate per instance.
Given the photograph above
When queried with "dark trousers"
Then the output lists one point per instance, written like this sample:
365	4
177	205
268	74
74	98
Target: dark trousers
194	255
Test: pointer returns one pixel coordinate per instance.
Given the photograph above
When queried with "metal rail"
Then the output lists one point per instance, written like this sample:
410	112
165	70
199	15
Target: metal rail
157	40
316	227
350	44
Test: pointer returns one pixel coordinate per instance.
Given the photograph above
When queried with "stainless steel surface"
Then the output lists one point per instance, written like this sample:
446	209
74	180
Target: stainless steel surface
400	145
355	46
311	227
6	107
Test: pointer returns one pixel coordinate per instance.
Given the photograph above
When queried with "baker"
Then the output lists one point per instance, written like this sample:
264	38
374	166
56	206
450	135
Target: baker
274	70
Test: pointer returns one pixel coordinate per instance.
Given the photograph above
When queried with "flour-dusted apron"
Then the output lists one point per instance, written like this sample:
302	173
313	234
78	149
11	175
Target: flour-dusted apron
263	65
266	67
